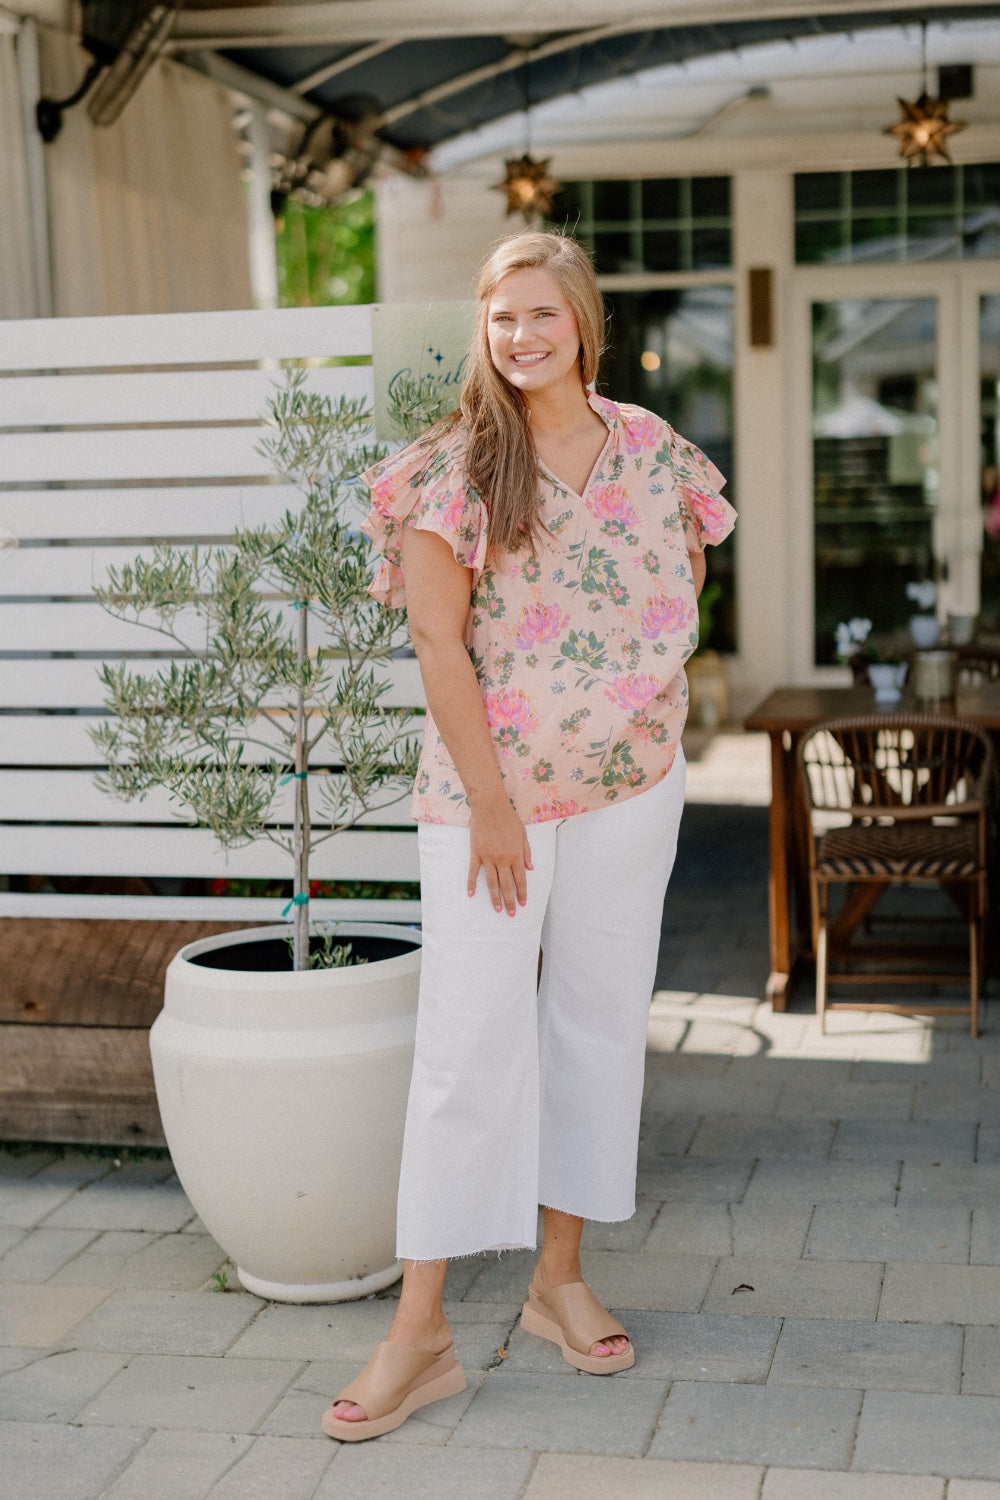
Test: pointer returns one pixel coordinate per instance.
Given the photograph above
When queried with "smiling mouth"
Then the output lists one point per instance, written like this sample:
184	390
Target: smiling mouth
529	359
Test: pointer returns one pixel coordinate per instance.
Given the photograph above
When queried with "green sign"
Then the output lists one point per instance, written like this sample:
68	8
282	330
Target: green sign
420	349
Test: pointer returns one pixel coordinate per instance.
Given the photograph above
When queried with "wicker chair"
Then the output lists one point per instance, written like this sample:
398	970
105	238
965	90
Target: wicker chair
895	799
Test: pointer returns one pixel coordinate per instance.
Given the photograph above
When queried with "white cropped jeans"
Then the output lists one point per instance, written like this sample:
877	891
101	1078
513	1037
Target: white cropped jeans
528	1093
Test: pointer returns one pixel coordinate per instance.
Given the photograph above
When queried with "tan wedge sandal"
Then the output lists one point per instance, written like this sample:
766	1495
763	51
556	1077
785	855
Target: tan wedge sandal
395	1382
572	1317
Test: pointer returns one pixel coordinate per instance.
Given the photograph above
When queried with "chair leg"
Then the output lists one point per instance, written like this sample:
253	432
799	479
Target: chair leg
821	960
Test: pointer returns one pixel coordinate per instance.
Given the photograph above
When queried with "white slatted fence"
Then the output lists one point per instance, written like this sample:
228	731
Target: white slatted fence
116	433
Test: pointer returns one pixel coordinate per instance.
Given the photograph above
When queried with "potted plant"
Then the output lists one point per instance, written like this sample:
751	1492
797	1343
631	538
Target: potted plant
282	1056
924	627
886	673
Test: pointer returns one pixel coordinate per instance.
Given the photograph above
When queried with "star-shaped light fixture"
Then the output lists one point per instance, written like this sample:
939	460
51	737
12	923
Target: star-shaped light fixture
529	186
925	127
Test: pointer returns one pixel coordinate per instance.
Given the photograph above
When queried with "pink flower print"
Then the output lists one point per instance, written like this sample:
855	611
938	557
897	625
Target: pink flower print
383	494
610	504
644	433
510	715
633	691
452	517
555	807
663	616
709	511
537	624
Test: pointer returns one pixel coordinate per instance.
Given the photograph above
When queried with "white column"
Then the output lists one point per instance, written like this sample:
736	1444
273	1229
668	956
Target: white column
762	219
263	257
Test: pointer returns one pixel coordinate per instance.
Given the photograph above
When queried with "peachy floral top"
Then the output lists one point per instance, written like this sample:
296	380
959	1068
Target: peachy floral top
579	648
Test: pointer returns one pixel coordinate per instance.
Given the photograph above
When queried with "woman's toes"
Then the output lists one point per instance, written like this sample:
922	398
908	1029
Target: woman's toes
616	1345
347	1411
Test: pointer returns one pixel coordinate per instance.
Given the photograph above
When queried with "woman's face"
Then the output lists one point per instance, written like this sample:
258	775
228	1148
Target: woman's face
533	334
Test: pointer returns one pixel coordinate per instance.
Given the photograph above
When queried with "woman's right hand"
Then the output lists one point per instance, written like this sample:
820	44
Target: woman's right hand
498	845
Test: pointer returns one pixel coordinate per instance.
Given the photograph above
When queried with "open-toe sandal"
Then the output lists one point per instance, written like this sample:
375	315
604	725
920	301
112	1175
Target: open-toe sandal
572	1317
395	1382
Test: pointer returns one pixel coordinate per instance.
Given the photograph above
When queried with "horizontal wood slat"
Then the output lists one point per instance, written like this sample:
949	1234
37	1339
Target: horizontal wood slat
133	453
60	849
186	338
72	797
145	397
265	910
161	512
78	1083
86	460
68	682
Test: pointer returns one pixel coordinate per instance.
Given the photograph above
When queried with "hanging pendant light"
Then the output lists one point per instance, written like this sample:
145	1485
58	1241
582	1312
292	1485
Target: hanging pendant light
925	127
529	186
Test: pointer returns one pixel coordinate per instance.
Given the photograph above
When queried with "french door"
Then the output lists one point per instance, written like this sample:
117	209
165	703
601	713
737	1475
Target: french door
895	448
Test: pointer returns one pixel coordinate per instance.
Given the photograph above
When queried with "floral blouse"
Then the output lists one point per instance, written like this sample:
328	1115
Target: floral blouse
579	648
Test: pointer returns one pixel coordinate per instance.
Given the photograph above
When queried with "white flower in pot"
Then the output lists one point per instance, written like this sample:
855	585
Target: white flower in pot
281	1073
924	627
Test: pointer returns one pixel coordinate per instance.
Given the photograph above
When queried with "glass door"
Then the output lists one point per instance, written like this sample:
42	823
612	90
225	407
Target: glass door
894	406
875	463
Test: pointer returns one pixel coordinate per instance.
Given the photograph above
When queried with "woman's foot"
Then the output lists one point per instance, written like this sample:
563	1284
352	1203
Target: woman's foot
569	1314
432	1339
398	1380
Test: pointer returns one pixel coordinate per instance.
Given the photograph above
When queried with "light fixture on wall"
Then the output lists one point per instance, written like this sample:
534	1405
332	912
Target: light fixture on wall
528	184
925	127
124	40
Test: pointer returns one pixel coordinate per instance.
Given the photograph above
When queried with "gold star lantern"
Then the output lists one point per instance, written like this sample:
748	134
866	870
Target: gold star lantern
529	187
924	129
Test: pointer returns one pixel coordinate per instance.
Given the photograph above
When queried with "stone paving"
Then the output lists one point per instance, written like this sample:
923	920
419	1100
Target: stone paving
812	1280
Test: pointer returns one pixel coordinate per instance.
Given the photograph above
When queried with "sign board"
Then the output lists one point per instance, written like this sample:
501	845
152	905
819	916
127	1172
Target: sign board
420	351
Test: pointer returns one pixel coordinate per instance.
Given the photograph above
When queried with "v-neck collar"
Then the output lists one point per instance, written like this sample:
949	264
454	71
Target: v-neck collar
601	406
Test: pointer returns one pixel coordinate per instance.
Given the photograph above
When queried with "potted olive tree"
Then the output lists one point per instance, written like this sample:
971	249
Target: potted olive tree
282	1056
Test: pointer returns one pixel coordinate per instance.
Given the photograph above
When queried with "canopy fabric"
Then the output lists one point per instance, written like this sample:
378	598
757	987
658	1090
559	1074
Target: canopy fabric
17	280
147	214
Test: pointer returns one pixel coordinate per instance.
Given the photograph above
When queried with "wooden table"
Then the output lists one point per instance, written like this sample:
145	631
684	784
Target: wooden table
785	716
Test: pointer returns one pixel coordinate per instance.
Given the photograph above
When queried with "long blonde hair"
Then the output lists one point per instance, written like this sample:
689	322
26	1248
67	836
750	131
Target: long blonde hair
501	463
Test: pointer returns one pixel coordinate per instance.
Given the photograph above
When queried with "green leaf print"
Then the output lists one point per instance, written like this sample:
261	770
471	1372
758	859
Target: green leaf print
584	650
598	573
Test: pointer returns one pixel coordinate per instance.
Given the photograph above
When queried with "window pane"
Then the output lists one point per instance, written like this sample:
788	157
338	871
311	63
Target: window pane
874	190
662	250
874	463
661	198
710	249
672	351
876	239
926	189
816	243
612	253
710	197
612	200
816	190
567	205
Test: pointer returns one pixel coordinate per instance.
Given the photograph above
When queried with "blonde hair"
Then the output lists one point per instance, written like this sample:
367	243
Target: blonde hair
501	463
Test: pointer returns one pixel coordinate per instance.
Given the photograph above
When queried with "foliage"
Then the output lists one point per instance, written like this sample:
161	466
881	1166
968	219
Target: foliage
326	256
280	677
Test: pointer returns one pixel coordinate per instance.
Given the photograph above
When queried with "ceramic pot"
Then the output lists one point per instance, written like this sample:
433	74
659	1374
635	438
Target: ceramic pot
283	1096
887	679
925	631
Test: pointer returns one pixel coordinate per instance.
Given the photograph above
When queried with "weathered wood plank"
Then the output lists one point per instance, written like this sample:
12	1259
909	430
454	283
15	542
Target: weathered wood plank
133	453
152	512
61	972
78	1084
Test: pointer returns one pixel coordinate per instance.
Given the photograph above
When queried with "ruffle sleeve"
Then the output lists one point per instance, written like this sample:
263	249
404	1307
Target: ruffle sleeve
708	518
422	486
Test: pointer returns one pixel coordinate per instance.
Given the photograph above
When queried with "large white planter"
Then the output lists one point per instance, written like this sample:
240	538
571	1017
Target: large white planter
282	1097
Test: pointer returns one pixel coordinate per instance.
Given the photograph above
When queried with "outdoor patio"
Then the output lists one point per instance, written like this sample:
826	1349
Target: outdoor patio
812	1277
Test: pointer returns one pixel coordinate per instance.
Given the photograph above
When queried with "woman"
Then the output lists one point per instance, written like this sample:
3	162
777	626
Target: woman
552	546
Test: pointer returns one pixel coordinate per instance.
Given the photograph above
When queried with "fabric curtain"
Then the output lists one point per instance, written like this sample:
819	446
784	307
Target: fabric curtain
147	214
17	281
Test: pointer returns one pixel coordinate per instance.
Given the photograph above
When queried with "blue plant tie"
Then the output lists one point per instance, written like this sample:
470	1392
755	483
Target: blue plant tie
299	899
293	776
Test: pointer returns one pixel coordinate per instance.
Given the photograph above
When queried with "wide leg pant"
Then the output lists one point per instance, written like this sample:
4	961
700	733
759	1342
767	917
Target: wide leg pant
526	1093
